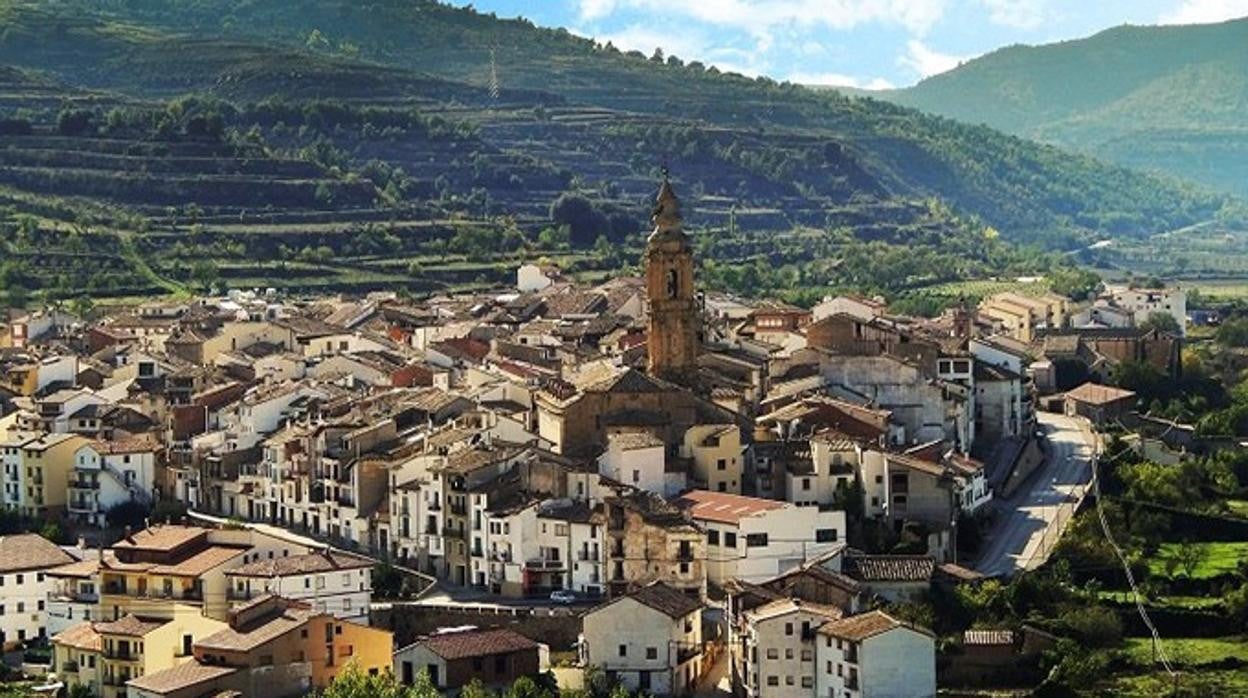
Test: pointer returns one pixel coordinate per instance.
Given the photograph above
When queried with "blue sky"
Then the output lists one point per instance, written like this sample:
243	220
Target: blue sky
865	43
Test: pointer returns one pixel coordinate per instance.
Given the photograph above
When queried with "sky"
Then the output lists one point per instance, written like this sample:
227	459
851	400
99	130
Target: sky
874	44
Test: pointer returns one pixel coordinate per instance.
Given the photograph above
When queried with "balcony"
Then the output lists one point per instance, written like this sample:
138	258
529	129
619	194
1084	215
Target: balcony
83	484
122	656
500	556
82	505
544	564
459	510
434	505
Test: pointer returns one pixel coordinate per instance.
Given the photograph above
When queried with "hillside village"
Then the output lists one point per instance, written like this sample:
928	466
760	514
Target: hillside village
697	480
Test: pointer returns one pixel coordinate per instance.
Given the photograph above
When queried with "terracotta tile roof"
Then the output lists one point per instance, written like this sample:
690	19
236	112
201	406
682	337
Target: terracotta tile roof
301	564
861	626
253	635
782	607
200	562
889	568
139	444
180	678
988	637
1094	394
665	599
82	569
958	572
723	507
30	551
82	636
163	537
477	643
129	625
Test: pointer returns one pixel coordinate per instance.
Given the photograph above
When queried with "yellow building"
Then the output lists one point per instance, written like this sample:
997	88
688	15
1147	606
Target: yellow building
714	451
36	470
106	655
151	572
1020	316
272	646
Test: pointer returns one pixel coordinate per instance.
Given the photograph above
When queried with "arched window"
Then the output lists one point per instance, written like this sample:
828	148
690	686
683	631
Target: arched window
673	283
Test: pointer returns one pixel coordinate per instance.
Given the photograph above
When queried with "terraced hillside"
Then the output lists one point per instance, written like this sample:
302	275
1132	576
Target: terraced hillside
251	152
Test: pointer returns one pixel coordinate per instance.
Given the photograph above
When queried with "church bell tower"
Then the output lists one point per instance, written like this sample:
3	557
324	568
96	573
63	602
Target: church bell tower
673	337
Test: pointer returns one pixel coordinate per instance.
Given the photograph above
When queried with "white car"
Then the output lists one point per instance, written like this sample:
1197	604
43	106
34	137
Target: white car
563	596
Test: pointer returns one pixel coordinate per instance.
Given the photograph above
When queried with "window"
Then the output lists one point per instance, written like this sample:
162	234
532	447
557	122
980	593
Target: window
773	680
721	464
652	653
788	628
879	479
623	650
805	483
636	476
808	682
673	283
788	681
756	540
773	653
500	664
730	539
788	652
825	535
712	537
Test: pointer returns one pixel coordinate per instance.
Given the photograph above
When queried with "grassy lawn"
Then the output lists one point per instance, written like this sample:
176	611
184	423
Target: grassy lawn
1218	558
1194	651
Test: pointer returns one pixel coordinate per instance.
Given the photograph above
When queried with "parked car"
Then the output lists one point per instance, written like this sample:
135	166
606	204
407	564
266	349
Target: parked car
563	596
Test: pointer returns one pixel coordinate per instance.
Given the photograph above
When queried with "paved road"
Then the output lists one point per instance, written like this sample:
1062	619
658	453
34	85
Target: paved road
1030	523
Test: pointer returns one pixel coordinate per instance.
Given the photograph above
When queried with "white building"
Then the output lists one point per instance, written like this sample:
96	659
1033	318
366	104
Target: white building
754	539
25	559
778	648
74	595
638	459
108	473
333	582
649	640
1146	301
872	655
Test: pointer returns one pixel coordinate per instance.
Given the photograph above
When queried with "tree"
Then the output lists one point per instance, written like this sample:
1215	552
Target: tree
204	273
584	221
352	682
1189	556
129	513
1163	322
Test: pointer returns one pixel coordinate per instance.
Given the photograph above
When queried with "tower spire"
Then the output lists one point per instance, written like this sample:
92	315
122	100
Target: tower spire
672	337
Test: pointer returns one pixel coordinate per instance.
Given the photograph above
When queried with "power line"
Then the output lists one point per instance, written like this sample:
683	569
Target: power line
1158	645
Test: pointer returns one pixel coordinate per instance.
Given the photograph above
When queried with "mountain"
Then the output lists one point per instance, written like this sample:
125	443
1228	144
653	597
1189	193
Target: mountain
336	144
162	46
1172	99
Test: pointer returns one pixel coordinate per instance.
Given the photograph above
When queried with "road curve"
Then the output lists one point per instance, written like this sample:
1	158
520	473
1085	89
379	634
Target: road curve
1029	524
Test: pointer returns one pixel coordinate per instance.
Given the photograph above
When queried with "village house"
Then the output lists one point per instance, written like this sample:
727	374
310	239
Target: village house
451	660
649	640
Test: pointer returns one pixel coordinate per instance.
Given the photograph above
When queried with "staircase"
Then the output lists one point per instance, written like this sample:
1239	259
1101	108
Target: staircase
136	492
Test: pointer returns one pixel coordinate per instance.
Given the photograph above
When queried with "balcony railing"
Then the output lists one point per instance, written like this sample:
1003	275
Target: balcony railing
543	564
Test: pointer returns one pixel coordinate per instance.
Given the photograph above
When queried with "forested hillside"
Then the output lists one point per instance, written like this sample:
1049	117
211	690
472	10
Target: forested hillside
1171	99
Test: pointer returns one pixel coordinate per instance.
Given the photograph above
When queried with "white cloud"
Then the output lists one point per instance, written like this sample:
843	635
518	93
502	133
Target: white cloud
593	9
839	80
926	62
760	15
1205	11
640	38
1020	14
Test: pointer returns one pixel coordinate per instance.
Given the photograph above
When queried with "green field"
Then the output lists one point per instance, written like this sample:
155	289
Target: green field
1182	602
987	287
1194	651
1218	559
1197	683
